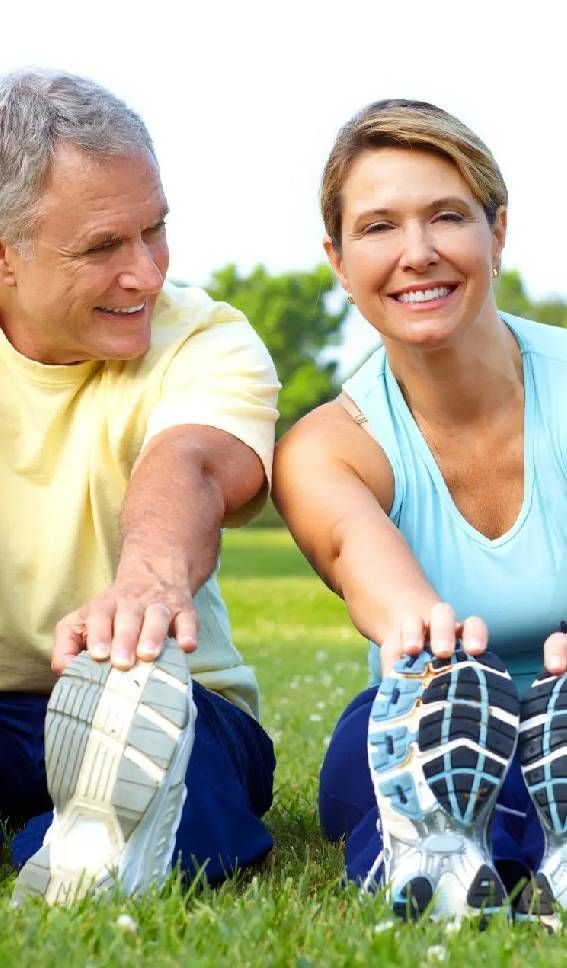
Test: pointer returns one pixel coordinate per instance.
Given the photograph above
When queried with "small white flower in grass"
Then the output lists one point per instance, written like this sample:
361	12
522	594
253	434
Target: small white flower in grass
436	952
126	924
384	926
451	927
315	718
321	705
321	655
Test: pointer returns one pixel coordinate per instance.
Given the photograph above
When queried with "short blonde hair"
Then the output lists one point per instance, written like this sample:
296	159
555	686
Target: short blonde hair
410	124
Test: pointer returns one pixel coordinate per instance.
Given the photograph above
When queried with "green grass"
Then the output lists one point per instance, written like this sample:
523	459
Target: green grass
292	910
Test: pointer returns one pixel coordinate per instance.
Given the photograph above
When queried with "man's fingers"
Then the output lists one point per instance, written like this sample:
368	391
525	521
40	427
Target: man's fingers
555	654
474	635
442	630
186	629
70	635
99	633
157	620
127	627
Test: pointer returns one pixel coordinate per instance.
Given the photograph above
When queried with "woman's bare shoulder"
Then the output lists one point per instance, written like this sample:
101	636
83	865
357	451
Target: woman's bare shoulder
330	437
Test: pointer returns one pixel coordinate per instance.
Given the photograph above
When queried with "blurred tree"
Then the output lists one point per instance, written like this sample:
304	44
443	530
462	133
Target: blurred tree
292	315
511	297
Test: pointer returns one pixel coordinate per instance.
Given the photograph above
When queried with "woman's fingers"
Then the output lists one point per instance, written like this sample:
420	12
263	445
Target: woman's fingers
440	633
474	635
412	634
442	630
555	654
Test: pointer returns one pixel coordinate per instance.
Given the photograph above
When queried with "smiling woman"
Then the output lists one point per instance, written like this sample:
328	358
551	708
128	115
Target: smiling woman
424	495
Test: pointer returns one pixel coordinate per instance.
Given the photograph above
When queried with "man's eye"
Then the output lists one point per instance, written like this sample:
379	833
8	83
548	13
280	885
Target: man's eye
156	229
105	246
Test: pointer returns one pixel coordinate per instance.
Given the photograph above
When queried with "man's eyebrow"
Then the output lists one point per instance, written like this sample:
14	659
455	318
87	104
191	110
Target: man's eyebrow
111	238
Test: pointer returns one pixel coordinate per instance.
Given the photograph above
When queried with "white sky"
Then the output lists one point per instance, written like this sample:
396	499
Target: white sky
243	99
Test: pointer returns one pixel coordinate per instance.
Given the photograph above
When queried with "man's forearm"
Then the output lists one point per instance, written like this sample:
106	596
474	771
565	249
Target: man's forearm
172	515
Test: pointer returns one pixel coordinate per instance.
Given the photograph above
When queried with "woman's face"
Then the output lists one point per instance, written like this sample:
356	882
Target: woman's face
417	250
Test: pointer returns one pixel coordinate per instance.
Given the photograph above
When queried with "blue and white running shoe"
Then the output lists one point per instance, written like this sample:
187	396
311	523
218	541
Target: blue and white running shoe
442	734
543	754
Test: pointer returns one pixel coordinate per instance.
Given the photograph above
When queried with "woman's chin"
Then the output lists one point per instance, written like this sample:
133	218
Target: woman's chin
425	335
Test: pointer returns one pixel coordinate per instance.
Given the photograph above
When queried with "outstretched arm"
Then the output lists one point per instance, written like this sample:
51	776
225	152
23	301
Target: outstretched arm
333	487
186	481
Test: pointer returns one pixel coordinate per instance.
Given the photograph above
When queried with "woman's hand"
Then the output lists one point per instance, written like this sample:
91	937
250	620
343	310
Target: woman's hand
555	652
441	631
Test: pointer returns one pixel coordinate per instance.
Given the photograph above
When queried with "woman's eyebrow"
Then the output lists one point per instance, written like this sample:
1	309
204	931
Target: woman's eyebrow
447	201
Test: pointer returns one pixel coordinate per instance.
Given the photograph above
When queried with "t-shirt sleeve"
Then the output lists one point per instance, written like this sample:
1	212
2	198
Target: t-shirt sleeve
223	376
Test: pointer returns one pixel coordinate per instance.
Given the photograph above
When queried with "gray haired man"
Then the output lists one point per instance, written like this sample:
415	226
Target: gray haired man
137	419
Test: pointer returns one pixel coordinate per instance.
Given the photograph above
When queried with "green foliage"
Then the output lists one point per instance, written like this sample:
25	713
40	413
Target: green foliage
291	314
511	297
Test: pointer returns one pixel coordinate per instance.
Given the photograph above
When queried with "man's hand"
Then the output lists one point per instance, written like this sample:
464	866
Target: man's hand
184	483
441	631
555	652
130	620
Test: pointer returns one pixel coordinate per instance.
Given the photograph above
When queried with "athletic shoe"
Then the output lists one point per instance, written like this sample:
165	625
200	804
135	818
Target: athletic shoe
117	746
442	734
543	755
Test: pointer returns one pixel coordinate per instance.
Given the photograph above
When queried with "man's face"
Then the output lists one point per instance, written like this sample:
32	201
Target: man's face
99	261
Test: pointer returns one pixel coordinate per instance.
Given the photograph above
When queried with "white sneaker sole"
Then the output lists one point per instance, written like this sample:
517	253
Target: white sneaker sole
442	734
117	745
543	753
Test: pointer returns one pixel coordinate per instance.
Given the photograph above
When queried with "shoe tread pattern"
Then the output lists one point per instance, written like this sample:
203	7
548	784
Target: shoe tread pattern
546	781
465	780
486	892
72	708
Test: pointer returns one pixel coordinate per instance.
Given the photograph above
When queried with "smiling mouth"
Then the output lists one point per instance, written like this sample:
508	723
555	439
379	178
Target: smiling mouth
424	295
122	311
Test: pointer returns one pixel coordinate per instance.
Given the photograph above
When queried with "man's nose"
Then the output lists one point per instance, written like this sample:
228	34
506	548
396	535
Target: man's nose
141	270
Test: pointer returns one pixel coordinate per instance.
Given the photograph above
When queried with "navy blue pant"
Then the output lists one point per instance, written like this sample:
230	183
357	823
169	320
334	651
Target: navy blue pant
347	804
229	783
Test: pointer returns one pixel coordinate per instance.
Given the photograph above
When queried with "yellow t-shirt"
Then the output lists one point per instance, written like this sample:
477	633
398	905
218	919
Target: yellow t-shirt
70	436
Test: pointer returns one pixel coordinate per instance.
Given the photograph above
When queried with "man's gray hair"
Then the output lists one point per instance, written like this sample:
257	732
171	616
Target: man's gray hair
38	110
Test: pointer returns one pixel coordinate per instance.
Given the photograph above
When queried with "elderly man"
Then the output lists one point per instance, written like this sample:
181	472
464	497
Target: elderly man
137	419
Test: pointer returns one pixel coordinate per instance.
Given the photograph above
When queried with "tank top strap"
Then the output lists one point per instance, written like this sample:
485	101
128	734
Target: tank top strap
368	402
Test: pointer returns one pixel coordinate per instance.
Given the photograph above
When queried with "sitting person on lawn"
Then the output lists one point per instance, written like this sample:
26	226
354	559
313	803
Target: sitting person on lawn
432	496
138	419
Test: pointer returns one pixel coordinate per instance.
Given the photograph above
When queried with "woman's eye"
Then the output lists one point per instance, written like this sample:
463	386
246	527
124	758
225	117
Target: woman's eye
450	217
378	227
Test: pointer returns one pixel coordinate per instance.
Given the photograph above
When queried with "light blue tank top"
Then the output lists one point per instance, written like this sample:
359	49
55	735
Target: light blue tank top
517	582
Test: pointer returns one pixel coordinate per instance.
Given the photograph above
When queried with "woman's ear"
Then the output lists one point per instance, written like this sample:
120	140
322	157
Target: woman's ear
335	258
499	234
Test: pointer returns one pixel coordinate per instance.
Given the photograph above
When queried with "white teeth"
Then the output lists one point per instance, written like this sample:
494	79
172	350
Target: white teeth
423	295
130	309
